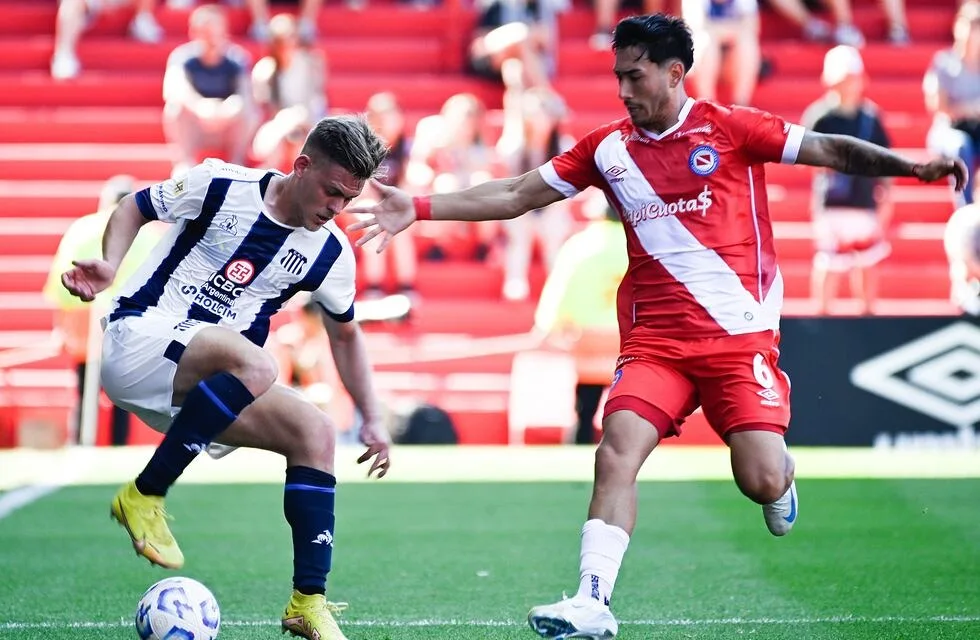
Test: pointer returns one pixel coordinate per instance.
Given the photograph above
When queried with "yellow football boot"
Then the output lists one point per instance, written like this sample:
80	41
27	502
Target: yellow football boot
311	617
145	520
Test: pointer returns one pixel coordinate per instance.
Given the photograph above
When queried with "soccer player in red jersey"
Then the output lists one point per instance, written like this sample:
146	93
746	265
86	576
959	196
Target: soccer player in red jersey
699	306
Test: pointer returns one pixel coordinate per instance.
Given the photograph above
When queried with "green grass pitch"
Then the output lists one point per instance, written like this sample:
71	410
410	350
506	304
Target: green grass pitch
868	559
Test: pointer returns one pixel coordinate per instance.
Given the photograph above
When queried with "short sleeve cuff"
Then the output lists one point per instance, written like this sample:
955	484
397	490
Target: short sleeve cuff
551	177
794	139
144	204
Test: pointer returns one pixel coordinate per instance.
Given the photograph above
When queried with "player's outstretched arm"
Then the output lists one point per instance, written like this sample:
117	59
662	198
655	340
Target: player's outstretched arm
350	356
852	155
493	200
120	232
88	278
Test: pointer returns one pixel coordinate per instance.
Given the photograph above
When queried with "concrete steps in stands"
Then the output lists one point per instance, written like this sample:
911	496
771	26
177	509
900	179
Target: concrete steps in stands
142	125
383	20
25	194
927	21
348	55
415	91
787	58
417	55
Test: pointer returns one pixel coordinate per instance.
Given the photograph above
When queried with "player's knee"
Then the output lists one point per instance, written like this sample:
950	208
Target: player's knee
316	442
257	370
612	460
764	485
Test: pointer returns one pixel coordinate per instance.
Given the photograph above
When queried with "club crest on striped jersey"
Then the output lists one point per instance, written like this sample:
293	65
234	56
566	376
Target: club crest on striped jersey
703	160
293	262
240	271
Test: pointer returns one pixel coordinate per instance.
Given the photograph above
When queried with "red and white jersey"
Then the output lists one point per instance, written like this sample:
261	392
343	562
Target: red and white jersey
693	201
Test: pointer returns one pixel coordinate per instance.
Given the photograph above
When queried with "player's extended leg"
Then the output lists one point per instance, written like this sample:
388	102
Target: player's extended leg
627	441
281	420
764	472
219	373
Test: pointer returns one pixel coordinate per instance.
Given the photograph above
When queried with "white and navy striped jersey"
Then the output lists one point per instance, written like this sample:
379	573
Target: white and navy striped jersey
228	262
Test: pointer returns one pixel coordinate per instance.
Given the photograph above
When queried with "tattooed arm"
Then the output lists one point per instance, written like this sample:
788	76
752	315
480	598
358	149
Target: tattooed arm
851	155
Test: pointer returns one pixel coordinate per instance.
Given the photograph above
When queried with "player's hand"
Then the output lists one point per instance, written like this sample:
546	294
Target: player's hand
88	278
392	215
378	441
942	167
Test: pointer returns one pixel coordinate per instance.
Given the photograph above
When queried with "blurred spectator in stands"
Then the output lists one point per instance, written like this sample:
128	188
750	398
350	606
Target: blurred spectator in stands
289	87
302	349
385	116
850	213
516	30
952	91
531	135
207	91
75	15
724	30
260	29
306	28
606	12
577	308
962	242
83	241
845	32
448	153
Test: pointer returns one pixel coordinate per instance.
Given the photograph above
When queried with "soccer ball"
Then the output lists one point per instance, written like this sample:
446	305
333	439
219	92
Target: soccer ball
178	609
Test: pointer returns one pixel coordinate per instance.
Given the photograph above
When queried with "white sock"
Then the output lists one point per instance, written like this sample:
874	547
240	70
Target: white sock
603	548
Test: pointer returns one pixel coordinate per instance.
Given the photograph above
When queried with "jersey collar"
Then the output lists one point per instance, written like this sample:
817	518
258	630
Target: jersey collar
685	110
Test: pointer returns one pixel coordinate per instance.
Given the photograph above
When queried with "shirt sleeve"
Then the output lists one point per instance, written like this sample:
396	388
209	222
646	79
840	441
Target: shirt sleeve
574	170
764	137
336	293
179	197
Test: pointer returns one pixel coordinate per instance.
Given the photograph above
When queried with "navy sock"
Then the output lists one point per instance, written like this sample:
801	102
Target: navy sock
308	502
209	409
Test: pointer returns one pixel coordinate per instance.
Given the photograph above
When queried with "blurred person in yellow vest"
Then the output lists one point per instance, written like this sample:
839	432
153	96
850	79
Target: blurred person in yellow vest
577	308
83	240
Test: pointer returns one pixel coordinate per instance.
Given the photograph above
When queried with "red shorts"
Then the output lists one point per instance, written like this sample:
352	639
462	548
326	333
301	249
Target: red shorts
735	379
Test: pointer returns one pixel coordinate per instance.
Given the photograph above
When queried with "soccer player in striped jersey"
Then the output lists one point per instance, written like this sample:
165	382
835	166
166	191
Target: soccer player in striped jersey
700	303
183	341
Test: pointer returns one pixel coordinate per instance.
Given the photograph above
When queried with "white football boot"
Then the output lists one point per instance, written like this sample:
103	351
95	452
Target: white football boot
574	618
781	515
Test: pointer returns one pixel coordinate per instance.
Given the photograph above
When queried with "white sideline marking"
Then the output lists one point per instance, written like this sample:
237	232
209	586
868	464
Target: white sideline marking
65	474
14	500
452	622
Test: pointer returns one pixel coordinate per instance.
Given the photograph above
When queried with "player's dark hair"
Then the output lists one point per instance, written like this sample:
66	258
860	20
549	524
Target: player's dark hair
350	142
659	36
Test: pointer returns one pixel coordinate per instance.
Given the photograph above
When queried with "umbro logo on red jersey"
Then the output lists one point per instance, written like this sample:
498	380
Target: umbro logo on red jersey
615	173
